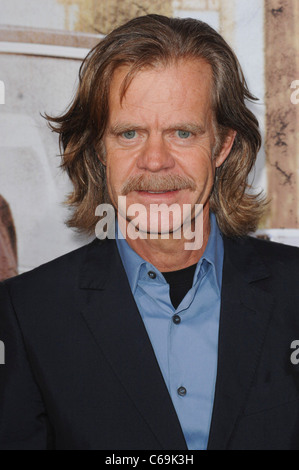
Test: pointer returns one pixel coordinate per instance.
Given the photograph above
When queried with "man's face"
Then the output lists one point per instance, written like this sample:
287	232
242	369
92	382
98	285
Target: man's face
159	139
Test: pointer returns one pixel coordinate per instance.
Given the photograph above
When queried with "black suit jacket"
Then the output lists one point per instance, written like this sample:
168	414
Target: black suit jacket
81	373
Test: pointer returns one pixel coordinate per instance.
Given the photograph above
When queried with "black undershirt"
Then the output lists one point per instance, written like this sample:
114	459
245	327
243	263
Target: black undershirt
180	283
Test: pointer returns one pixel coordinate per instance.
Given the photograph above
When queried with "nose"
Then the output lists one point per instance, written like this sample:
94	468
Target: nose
155	156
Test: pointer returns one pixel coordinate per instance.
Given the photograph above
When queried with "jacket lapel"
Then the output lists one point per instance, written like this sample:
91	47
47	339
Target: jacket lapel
116	325
244	317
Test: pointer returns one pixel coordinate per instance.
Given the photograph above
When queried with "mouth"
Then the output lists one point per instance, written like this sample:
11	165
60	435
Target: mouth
158	192
161	195
163	191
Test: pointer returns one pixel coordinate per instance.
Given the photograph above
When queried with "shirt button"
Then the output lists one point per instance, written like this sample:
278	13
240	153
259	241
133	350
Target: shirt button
152	275
182	392
176	319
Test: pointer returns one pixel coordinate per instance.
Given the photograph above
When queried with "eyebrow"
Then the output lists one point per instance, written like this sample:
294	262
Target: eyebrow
191	127
119	128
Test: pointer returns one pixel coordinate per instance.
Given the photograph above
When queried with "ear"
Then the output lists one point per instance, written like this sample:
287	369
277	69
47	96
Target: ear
226	147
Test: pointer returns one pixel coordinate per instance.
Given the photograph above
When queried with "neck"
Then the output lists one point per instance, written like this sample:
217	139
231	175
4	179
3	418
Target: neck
171	254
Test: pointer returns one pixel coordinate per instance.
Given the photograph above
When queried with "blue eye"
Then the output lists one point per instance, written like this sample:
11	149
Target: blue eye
184	134
129	134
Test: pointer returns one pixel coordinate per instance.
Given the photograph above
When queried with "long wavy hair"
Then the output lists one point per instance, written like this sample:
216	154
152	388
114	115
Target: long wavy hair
147	41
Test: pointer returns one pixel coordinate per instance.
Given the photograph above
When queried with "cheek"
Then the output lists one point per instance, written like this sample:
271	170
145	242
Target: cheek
201	170
121	166
117	173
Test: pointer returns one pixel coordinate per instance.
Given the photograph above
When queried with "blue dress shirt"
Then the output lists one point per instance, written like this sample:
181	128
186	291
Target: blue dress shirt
186	350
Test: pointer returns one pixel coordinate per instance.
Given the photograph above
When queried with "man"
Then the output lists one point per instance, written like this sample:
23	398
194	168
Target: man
8	245
139	342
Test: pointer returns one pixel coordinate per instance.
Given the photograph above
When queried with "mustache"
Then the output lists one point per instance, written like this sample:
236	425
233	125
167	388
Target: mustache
157	183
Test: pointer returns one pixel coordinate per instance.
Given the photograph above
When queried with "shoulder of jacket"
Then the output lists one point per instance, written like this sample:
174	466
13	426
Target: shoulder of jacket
64	268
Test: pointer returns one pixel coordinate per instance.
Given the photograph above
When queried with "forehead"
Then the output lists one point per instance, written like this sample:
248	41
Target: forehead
183	85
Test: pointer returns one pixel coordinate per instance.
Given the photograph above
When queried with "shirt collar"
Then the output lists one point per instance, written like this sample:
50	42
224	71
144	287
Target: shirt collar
137	268
213	253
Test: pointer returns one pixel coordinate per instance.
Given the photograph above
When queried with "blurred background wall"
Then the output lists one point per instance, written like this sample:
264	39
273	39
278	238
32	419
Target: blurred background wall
42	44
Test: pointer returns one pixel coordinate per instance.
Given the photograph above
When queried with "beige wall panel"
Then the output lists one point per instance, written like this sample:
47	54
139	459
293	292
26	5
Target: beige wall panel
282	117
101	16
